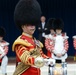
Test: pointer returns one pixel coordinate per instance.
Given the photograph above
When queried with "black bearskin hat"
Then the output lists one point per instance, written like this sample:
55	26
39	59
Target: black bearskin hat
50	24
2	32
59	24
27	12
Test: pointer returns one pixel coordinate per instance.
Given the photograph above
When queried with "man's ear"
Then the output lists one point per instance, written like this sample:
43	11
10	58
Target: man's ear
22	26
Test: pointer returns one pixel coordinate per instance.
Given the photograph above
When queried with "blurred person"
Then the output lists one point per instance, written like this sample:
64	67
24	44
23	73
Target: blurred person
42	30
74	45
74	41
3	51
48	38
28	50
61	45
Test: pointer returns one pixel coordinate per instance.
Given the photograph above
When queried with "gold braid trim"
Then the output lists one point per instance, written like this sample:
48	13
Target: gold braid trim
41	44
24	57
20	41
21	68
34	53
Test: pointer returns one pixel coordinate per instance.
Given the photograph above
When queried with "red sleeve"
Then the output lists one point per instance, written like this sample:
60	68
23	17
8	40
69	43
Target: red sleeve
66	45
49	44
43	55
23	54
74	43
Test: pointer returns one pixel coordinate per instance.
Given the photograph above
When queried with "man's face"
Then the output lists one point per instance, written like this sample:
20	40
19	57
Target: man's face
43	19
58	31
29	29
52	31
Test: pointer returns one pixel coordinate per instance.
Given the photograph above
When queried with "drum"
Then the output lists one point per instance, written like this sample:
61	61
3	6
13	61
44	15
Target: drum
58	69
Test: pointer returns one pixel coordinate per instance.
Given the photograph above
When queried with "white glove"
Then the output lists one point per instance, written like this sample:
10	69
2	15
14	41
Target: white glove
43	34
49	61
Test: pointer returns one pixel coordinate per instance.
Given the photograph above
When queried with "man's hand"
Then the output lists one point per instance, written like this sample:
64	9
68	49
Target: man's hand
59	55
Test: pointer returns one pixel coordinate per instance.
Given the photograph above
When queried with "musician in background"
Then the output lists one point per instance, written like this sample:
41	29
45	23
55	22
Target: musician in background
74	45
48	38
61	44
3	51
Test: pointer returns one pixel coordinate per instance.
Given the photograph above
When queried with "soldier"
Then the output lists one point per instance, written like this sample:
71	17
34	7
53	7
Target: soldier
28	50
3	51
74	44
61	45
74	41
48	38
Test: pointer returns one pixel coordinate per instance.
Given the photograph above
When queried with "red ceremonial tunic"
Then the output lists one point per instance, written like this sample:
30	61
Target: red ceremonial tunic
22	47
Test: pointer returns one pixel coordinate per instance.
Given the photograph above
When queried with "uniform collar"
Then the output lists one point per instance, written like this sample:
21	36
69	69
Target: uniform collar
58	34
28	35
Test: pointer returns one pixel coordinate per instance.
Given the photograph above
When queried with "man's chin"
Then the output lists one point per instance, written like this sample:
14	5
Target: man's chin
32	32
